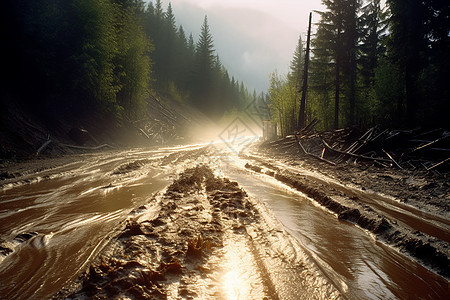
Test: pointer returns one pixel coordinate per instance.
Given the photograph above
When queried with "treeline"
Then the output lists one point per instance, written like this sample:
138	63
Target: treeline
105	57
372	65
184	69
73	58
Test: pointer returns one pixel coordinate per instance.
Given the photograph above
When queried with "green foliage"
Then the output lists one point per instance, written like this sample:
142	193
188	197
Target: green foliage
103	57
89	56
190	70
420	47
359	74
93	56
132	64
283	104
297	62
389	94
203	70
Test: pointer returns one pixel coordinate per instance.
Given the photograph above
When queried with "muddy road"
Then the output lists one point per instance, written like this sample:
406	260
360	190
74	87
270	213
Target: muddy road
200	221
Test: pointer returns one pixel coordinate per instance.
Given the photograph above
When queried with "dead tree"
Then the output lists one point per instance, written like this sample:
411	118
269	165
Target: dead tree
302	115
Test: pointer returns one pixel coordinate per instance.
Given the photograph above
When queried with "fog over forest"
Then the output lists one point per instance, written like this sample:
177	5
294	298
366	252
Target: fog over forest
252	39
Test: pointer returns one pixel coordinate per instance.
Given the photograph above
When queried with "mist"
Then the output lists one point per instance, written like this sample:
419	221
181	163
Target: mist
252	40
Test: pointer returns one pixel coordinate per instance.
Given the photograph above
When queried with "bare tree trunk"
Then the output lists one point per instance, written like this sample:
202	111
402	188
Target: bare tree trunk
302	116
337	82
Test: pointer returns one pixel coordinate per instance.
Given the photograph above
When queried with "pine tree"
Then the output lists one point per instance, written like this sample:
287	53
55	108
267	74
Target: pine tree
323	77
205	47
419	44
350	38
202	85
340	27
407	44
297	62
372	27
331	25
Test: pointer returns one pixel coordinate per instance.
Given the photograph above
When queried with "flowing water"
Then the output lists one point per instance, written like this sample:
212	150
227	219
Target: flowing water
72	210
360	267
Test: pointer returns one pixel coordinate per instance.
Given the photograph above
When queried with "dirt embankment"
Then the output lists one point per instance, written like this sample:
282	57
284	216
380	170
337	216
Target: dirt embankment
369	197
420	188
26	133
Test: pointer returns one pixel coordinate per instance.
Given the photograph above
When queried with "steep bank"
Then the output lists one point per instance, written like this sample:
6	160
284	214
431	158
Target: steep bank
26	134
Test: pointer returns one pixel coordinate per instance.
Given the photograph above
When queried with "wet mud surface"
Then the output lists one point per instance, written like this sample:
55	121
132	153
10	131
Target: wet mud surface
431	251
425	190
407	210
186	250
167	223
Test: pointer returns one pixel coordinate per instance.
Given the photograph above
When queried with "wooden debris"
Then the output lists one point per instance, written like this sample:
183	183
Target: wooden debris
392	159
354	155
412	149
88	148
438	164
43	147
313	155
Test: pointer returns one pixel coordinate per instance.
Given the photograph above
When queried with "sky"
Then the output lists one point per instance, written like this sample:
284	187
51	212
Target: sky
252	37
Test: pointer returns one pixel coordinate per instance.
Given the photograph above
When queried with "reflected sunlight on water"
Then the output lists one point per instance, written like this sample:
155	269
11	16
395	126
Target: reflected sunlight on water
231	284
241	278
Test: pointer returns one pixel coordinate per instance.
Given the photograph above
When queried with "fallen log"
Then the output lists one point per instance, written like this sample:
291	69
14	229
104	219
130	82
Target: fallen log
438	164
313	155
428	132
430	143
310	126
143	132
43	147
329	148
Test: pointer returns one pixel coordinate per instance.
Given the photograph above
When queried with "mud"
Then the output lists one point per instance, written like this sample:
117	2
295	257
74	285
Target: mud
129	167
181	252
427	193
204	237
426	190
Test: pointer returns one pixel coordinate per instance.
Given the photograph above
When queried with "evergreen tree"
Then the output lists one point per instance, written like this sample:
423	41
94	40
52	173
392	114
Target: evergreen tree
419	45
340	28
101	42
372	27
132	61
322	78
202	84
297	62
332	26
407	44
350	38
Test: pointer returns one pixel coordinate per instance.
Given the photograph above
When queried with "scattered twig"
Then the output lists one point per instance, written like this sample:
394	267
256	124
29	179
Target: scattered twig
431	143
438	164
313	155
393	160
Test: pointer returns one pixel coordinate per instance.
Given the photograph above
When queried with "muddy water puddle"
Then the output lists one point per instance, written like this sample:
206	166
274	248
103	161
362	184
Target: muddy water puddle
359	266
58	219
435	224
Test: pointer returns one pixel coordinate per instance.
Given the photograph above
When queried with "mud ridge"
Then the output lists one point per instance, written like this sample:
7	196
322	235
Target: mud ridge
181	252
129	167
416	244
163	257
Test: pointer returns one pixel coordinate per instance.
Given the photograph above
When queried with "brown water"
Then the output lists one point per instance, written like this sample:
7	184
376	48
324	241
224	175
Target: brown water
75	209
358	265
